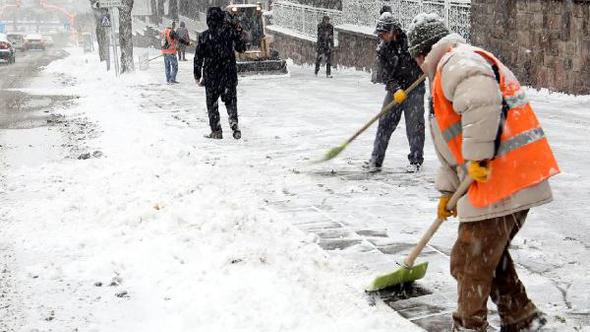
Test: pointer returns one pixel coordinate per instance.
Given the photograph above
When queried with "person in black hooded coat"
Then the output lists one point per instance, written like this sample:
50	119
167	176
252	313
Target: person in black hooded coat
325	46
215	68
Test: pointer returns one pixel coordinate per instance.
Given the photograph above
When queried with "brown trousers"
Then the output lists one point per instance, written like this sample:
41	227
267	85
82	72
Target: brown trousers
482	266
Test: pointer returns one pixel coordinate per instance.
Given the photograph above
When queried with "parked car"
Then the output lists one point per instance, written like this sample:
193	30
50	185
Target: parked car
48	41
7	52
17	40
87	42
34	42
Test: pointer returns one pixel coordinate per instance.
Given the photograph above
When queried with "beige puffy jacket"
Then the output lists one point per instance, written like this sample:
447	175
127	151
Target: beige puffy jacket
469	83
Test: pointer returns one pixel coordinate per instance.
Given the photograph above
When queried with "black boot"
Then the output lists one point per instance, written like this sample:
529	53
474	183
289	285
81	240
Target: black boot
215	135
534	323
237	133
371	166
413	168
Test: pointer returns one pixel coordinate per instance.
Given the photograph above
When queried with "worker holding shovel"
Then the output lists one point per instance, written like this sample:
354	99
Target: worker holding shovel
491	147
483	128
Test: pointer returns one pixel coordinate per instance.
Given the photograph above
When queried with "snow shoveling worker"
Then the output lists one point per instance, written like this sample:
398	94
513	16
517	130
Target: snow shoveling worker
483	127
397	70
169	46
215	68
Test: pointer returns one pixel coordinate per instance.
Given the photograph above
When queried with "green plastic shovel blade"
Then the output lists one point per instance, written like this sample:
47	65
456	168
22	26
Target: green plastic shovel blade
401	276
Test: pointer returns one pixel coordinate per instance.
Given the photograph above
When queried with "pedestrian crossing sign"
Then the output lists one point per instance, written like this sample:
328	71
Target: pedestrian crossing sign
105	20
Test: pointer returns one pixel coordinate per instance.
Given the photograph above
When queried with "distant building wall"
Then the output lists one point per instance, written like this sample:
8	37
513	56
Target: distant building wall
546	43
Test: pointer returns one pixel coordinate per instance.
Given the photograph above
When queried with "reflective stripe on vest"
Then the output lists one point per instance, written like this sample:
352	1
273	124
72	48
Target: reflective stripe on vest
171	42
523	157
517	100
514	143
453	131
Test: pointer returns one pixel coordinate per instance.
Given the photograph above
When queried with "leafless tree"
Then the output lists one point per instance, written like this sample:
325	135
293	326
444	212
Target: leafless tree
153	6
173	9
126	36
160	10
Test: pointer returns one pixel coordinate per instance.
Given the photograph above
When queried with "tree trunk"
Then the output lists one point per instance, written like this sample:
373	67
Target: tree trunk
173	9
160	11
126	36
102	37
154	8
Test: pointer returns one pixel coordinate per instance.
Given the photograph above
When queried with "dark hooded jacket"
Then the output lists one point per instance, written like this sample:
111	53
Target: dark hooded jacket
215	58
397	69
325	43
182	33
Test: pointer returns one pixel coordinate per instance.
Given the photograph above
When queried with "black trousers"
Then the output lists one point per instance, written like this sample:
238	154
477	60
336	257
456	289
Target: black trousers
328	57
229	97
413	111
182	55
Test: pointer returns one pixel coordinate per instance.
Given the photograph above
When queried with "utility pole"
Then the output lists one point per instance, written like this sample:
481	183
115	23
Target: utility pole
14	19
114	43
106	21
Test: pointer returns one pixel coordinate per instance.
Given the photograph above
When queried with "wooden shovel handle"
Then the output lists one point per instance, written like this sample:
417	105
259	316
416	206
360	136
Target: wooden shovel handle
409	261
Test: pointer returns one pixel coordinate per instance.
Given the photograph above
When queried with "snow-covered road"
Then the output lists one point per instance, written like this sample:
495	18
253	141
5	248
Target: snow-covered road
170	231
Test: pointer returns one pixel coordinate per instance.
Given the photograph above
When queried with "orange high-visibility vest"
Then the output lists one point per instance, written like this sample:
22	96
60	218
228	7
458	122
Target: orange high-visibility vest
170	43
523	156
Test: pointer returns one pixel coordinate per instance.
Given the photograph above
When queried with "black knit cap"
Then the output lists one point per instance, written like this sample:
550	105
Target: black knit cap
425	31
385	8
215	17
387	23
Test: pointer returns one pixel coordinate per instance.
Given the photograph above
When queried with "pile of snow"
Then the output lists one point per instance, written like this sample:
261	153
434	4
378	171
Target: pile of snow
159	235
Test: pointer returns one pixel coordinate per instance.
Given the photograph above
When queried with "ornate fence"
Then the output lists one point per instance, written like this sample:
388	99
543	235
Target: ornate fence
301	18
304	19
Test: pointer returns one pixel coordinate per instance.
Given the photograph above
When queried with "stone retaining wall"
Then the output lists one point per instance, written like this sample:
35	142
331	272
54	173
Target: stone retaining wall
545	42
356	49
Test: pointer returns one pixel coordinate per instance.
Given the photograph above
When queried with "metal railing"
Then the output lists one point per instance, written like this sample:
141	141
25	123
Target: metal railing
301	18
304	19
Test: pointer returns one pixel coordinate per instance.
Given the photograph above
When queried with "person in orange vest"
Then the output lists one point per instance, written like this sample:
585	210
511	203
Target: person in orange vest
170	41
483	127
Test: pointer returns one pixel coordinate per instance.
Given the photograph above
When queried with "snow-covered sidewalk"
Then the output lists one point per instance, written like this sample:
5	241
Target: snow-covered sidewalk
169	231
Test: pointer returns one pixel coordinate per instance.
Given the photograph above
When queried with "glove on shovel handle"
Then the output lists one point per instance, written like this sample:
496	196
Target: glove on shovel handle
463	187
336	151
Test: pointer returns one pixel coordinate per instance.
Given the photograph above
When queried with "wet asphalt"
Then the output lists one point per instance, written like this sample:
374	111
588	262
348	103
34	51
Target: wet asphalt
22	115
19	109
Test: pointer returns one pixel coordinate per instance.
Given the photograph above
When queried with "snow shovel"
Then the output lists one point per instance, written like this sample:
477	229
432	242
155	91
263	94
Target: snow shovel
145	62
336	151
410	272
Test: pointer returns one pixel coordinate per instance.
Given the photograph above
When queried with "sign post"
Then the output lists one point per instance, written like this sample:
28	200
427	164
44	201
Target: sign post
106	21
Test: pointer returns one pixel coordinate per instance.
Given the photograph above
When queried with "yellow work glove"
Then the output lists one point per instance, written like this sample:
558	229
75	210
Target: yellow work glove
400	96
442	212
480	171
